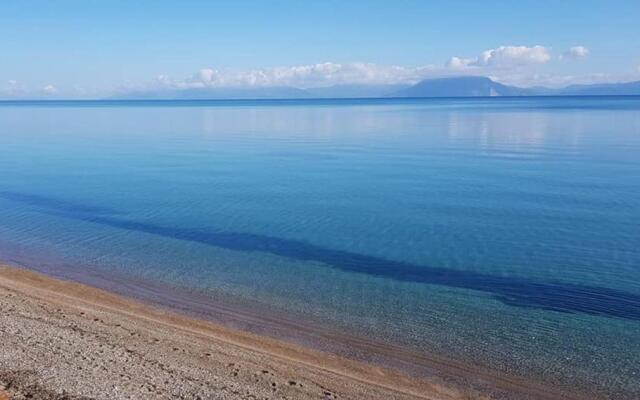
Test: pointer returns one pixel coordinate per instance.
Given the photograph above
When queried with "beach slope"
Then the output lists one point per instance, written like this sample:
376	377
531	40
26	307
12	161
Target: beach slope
63	340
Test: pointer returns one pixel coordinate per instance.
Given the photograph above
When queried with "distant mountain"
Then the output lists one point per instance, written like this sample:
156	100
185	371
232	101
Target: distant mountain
480	86
231	93
606	89
354	91
463	86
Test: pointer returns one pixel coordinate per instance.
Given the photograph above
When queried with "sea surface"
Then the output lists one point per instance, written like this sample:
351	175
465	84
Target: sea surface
502	233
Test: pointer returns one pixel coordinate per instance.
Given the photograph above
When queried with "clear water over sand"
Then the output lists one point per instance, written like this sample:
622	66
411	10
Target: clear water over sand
503	233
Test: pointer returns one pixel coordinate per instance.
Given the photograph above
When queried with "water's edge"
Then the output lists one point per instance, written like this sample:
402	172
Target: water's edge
258	319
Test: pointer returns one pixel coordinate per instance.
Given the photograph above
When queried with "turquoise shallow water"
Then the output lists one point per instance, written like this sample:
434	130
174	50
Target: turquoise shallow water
503	233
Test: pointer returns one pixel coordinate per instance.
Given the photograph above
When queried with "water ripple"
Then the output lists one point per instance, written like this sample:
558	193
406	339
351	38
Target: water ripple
513	291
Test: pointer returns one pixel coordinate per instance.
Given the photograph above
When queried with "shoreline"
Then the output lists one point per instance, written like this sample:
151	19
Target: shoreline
204	348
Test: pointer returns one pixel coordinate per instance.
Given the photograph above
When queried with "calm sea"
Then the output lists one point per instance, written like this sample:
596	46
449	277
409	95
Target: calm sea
502	233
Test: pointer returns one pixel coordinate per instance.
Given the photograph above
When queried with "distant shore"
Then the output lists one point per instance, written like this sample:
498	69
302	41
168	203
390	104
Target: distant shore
64	340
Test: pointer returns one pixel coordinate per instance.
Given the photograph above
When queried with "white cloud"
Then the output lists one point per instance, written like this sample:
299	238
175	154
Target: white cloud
461	63
504	57
490	61
506	64
301	76
576	52
49	89
12	89
515	65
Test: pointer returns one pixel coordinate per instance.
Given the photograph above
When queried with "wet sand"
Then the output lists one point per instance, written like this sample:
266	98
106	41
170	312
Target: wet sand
65	340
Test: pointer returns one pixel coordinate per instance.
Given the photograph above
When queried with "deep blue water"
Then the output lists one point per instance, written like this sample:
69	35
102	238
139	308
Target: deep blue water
500	232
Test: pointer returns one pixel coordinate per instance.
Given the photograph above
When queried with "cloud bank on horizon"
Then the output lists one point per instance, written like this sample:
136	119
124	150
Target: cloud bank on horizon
515	65
497	62
509	64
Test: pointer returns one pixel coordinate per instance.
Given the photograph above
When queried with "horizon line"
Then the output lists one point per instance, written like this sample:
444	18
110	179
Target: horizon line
264	99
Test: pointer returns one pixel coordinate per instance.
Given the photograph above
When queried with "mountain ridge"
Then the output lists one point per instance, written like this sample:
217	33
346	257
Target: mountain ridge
481	86
461	86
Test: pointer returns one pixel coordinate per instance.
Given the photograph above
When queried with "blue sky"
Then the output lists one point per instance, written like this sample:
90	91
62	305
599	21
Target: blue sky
91	48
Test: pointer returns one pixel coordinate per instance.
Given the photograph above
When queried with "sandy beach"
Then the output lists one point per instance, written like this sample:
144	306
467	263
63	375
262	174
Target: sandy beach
63	340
